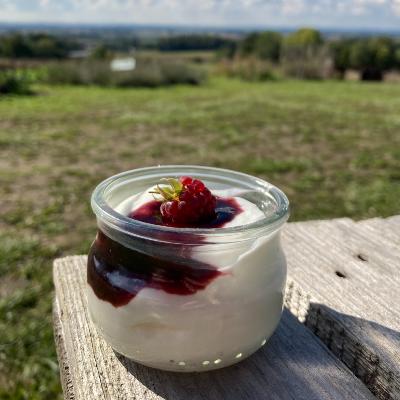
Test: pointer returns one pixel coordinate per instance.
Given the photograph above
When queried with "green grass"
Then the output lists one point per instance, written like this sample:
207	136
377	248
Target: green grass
334	147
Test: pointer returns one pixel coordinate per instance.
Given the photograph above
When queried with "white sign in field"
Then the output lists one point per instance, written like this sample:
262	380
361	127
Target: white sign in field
123	64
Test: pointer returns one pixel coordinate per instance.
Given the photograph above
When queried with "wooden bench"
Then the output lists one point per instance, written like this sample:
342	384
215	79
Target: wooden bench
338	338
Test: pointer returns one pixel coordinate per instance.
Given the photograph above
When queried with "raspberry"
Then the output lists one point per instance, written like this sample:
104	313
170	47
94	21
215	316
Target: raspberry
186	201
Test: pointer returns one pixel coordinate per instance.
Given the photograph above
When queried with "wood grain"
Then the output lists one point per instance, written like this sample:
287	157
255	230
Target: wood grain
293	365
344	284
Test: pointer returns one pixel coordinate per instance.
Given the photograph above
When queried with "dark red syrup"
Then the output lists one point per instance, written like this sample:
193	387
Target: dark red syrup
117	273
225	210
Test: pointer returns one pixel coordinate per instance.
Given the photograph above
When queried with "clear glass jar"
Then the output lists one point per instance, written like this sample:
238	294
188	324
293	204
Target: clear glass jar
186	299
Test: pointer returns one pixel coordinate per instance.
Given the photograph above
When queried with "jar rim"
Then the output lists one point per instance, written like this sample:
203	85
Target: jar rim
124	224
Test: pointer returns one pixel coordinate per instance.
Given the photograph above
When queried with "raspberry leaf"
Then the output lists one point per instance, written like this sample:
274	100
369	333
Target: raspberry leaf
170	191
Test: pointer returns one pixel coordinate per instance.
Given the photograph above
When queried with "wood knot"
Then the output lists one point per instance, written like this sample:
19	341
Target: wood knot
362	257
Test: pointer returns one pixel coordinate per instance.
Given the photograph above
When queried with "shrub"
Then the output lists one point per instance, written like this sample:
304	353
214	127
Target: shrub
249	69
64	73
314	68
305	56
175	73
154	73
307	63
371	56
13	82
148	73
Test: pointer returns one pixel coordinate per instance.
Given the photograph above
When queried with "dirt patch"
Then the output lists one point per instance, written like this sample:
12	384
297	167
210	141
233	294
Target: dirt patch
9	284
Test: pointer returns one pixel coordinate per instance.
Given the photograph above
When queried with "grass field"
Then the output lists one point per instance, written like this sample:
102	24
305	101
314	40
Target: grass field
334	147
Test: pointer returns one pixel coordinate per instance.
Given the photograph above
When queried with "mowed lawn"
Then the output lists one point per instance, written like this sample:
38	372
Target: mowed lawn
334	147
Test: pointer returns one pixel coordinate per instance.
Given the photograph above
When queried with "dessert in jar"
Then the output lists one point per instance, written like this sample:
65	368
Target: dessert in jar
187	272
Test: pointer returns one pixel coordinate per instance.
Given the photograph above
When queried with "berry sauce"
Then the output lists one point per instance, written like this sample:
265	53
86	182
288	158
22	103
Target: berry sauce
226	209
117	273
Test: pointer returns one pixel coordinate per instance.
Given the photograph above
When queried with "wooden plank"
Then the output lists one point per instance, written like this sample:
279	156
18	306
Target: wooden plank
344	281
388	228
294	364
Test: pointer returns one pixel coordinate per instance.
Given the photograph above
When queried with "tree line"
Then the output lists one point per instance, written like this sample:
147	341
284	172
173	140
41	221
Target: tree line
43	45
304	52
36	45
372	56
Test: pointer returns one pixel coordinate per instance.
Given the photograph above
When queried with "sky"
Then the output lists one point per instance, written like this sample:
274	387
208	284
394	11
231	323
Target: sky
349	14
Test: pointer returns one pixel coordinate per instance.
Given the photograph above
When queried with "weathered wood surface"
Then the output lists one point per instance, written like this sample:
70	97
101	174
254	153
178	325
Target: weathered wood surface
344	283
293	365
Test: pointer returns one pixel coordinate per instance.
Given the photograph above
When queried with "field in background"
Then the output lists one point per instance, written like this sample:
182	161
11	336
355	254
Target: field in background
334	147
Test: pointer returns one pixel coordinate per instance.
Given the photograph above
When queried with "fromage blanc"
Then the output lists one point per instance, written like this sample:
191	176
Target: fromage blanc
183	302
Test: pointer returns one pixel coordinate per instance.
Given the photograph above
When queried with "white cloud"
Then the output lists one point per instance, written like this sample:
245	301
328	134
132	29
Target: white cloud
292	6
396	7
350	13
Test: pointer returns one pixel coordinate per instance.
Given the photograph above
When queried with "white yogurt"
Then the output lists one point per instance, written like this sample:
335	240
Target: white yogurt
217	326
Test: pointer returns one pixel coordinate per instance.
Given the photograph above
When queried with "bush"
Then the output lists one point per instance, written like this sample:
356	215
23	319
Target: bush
64	73
13	82
371	56
148	73
315	65
305	56
175	73
249	69
79	73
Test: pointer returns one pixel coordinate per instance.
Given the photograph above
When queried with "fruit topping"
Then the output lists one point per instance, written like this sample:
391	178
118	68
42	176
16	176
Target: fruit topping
185	201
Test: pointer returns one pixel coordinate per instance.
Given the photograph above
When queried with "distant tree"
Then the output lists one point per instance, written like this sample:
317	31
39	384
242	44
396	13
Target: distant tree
304	38
373	56
383	50
248	45
46	46
126	44
35	45
192	42
304	55
15	46
268	46
264	45
397	56
101	52
227	51
341	50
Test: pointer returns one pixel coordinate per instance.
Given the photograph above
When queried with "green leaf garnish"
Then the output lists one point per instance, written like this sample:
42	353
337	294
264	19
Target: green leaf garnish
169	191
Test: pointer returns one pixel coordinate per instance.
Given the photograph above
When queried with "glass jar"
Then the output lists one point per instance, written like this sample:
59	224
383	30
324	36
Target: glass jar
186	299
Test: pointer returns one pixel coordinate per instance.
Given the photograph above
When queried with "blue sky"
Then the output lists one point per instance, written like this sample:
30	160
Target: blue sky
377	14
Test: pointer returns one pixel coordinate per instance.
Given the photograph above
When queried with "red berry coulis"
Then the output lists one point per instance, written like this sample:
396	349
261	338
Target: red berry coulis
117	273
225	210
